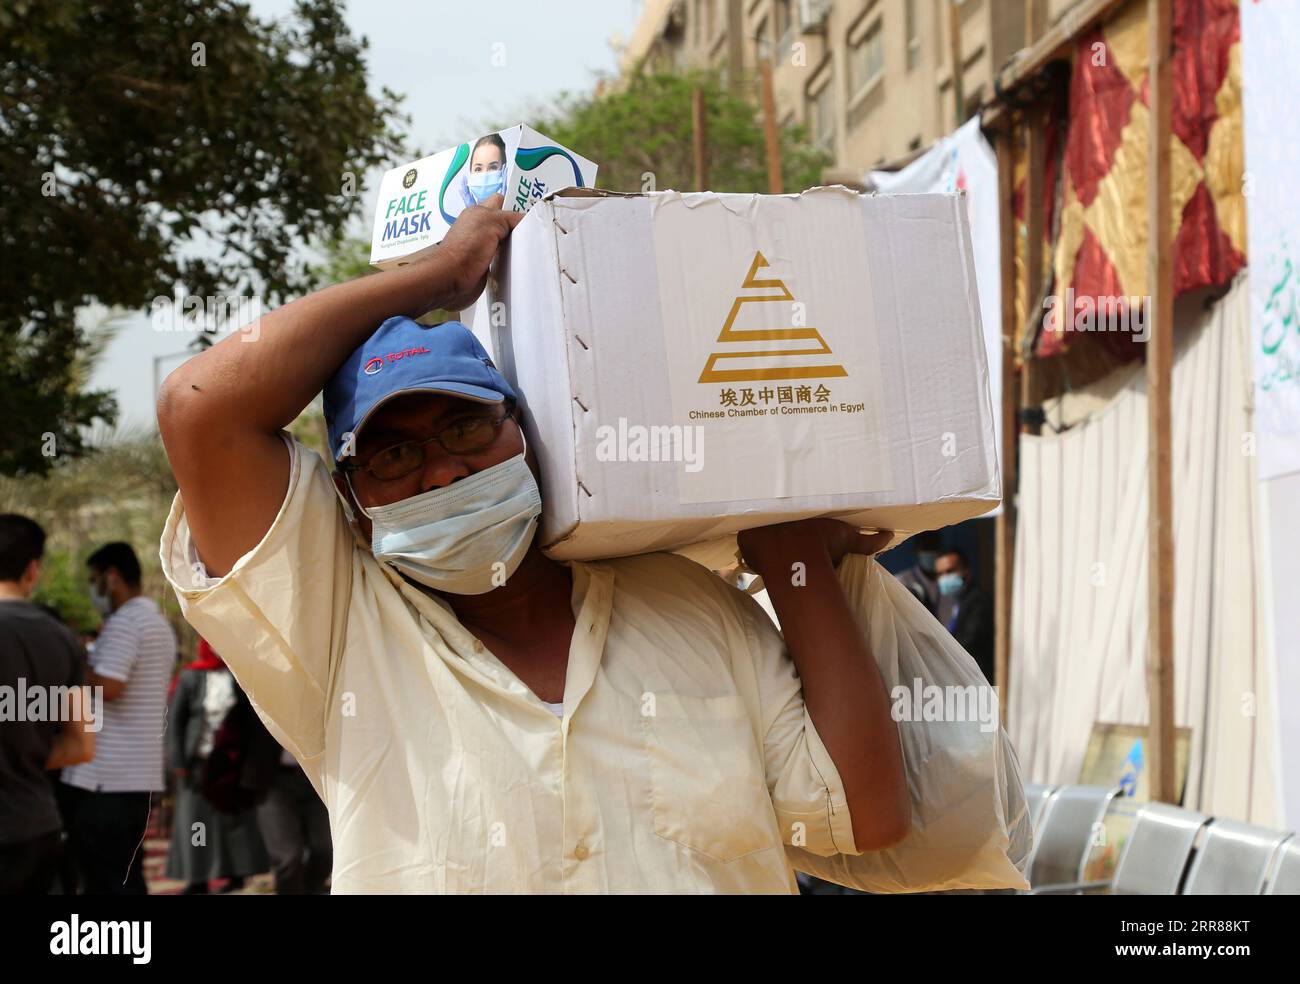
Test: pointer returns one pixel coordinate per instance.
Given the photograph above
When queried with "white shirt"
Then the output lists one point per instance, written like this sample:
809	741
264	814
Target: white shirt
138	647
218	699
683	759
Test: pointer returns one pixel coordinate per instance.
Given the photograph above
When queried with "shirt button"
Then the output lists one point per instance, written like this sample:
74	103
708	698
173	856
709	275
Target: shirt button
580	851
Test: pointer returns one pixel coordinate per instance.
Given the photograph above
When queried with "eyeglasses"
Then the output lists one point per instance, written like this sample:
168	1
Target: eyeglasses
466	434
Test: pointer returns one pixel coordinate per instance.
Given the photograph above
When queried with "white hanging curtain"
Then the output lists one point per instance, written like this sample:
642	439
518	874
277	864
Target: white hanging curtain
1079	610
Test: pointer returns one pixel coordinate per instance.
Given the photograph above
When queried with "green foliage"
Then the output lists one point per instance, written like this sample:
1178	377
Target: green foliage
643	126
346	258
63	586
309	428
119	490
136	133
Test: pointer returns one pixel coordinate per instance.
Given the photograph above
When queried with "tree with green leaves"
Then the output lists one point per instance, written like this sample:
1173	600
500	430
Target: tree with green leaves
150	143
63	587
639	130
120	489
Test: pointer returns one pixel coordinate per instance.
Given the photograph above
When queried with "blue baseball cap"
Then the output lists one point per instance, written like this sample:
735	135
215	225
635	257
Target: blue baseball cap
403	356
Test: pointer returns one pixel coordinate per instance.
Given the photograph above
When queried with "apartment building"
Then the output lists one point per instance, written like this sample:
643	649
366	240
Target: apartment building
872	79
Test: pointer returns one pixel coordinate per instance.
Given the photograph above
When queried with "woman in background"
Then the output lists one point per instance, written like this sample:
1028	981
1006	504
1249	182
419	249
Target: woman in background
206	843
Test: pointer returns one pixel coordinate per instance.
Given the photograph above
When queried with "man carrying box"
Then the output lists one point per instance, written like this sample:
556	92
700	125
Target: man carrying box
476	716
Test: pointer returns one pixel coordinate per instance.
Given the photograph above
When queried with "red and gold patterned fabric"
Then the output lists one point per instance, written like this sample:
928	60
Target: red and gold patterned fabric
1101	246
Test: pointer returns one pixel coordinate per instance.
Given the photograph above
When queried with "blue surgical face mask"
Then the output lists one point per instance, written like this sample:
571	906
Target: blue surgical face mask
100	599
464	538
484	184
950	584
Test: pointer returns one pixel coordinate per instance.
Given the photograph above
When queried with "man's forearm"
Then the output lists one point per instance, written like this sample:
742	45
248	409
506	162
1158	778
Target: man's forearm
846	699
265	375
108	686
70	748
219	414
75	742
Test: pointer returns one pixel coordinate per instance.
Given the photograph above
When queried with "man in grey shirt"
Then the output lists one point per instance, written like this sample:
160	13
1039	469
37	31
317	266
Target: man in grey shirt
39	657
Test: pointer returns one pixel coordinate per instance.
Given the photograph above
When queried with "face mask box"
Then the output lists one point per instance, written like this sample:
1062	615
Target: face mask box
692	365
419	201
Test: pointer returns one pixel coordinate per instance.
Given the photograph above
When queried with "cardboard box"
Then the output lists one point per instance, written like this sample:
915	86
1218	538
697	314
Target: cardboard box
419	201
692	365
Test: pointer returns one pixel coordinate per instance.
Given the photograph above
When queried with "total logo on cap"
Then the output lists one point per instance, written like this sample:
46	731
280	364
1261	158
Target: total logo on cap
377	363
403	355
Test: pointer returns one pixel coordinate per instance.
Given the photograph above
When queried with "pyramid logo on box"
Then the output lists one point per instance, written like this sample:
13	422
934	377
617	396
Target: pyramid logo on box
766	362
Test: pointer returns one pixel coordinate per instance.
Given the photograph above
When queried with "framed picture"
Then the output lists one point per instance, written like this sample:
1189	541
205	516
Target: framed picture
1116	756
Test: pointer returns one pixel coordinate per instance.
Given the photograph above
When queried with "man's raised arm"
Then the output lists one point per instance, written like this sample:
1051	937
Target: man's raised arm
221	412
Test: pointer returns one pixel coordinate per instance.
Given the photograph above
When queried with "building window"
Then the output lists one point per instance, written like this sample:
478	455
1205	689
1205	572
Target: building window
913	38
821	116
867	59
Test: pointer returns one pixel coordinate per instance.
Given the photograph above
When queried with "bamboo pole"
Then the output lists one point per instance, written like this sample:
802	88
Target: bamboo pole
1159	374
954	44
775	185
699	135
735	47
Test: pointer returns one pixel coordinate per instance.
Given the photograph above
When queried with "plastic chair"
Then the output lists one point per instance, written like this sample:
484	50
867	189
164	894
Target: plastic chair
1286	872
1065	838
1234	859
1156	854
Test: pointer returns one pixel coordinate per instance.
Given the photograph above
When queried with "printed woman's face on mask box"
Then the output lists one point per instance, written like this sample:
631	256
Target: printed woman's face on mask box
418	417
487	157
487	167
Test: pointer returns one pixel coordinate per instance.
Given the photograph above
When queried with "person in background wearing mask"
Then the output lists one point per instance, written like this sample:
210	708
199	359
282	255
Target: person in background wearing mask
37	655
971	618
109	799
920	577
485	175
476	716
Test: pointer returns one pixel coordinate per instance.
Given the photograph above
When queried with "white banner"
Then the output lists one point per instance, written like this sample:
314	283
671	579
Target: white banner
964	161
1270	42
